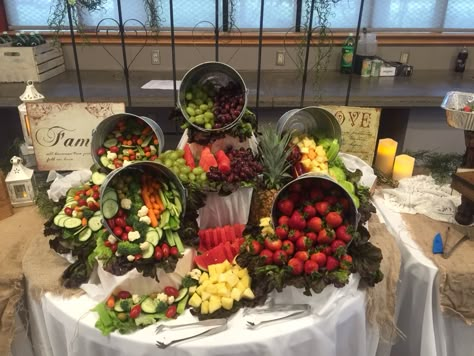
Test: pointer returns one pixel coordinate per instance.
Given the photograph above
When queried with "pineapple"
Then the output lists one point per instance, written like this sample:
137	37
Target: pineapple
274	150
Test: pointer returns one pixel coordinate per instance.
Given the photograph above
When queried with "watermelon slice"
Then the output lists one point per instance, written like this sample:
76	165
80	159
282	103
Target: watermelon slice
223	161
229	254
221	234
214	238
239	229
188	156
230	232
207	159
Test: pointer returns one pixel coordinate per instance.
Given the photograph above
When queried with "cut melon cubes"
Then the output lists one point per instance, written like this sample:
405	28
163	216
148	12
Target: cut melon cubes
221	287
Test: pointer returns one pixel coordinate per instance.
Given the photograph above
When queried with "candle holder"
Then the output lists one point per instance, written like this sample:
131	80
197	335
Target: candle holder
20	184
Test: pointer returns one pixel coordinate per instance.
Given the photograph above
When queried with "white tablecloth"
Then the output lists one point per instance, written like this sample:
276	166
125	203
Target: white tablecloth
428	331
337	327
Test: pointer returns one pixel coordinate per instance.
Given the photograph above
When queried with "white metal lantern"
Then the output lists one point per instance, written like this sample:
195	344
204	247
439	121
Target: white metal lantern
20	183
29	96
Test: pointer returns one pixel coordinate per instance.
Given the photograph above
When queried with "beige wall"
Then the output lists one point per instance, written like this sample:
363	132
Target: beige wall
94	57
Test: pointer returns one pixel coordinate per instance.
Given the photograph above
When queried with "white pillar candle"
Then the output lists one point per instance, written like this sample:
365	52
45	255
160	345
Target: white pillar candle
403	167
386	150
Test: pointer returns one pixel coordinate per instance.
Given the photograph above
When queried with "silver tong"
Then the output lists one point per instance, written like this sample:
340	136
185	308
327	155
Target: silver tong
214	326
256	317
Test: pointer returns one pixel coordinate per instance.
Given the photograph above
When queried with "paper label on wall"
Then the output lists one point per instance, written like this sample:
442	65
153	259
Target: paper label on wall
359	127
62	132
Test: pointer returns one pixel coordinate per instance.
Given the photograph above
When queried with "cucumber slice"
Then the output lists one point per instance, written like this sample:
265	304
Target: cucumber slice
78	230
57	218
146	140
95	223
183	292
62	220
149	305
152	237
85	234
182	305
71	204
98	213
104	160
72	223
110	142
118	308
148	251
98	178
160	232
110	194
110	208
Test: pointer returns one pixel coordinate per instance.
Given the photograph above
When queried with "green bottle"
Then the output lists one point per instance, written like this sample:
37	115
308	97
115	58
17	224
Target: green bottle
33	40
6	37
347	54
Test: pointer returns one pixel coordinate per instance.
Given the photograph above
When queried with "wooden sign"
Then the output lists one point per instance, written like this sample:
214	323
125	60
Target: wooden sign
359	127
62	132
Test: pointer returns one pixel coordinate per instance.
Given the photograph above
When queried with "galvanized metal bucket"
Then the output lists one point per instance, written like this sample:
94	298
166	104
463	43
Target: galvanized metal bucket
220	75
311	120
352	215
156	170
107	125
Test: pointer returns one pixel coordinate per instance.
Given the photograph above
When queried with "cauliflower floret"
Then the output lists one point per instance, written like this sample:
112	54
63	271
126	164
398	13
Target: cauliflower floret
195	274
131	258
126	203
162	297
74	213
133	235
144	245
146	220
112	239
170	299
127	163
135	298
143	211
111	155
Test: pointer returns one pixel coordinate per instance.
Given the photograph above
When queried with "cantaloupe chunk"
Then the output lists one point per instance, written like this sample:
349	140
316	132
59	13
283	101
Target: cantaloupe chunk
214	304
205	307
195	301
248	294
227	303
236	294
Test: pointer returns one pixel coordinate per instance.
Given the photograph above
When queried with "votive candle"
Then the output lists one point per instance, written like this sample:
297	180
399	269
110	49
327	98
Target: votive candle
386	150
403	167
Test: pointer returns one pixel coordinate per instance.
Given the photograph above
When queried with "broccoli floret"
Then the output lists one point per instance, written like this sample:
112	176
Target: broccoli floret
141	227
126	248
87	213
125	304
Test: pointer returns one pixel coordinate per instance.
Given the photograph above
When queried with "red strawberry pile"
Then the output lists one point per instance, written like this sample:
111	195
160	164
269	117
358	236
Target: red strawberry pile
313	229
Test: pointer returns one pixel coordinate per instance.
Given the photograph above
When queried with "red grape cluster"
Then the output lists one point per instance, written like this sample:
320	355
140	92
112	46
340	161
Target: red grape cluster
228	104
243	167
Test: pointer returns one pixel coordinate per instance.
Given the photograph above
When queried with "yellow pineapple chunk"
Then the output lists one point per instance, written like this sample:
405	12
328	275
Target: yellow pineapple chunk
200	289
236	294
231	280
245	281
320	151
242	272
205	296
195	301
212	270
219	269
304	150
214	278
240	286
205	283
211	288
307	163
248	294
226	265
295	140
192	290
205	307
222	290
227	303
214	304
222	278
204	277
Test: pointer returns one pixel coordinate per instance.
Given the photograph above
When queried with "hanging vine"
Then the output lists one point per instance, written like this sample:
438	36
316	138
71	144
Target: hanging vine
154	13
58	21
321	36
232	6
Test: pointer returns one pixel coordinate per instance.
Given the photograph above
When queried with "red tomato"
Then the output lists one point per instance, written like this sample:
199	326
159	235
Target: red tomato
171	312
68	211
119	221
118	231
135	311
166	250
128	228
174	251
171	291
123	294
101	151
158	253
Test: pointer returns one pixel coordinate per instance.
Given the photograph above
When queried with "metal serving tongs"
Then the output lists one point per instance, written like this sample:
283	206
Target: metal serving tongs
214	326
468	234
256	317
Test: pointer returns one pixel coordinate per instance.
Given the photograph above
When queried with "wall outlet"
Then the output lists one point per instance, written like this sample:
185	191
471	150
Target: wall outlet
155	56
404	57
280	58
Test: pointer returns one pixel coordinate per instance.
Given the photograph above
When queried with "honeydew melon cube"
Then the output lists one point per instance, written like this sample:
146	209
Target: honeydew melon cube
195	301
227	303
214	304
236	294
205	307
248	294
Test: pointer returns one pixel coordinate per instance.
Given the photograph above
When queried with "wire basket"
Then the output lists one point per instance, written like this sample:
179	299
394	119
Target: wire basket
453	103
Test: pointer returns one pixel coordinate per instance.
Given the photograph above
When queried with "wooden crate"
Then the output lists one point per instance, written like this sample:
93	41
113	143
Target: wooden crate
20	64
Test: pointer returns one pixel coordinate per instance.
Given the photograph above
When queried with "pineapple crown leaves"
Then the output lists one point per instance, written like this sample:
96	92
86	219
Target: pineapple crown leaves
274	151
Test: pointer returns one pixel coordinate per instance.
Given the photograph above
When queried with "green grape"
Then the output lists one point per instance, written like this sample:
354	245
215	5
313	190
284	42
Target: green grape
198	170
199	120
181	161
175	170
173	156
180	152
168	163
183	177
208	126
192	177
185	170
203	177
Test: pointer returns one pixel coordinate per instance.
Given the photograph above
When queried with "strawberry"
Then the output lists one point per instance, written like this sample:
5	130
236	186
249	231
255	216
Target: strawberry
326	184
272	244
325	236
303	243
288	247
310	267
309	211
254	248
344	203
302	255
296	266
332	263
279	258
322	207
267	256
316	194
342	234
327	250
333	219
315	224
286	206
296	187
338	247
283	220
319	258
331	199
297	221
294	235
294	197
346	262
313	237
282	232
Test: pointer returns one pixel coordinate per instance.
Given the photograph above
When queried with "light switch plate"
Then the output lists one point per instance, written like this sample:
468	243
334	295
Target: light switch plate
155	56
280	58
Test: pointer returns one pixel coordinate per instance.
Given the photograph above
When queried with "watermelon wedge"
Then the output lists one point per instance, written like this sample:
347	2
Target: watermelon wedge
230	233
223	161
229	254
188	156
207	159
213	256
